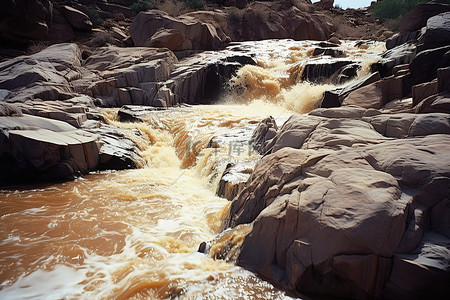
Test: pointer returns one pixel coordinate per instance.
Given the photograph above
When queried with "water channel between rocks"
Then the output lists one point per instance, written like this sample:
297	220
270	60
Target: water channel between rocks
135	233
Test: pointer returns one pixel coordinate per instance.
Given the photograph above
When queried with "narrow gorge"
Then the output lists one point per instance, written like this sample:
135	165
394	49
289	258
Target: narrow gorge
254	150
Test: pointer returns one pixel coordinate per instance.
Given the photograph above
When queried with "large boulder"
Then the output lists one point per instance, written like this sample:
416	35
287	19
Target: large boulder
399	39
77	19
425	64
46	74
419	15
335	183
22	21
129	75
35	148
437	32
197	35
265	20
402	54
335	97
435	103
324	70
377	94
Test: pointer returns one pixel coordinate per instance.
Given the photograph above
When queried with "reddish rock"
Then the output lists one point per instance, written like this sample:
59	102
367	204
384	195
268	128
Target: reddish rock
422	91
22	21
435	103
166	38
60	30
437	32
419	15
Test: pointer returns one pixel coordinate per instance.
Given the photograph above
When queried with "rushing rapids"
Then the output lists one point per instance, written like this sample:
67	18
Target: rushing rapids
135	233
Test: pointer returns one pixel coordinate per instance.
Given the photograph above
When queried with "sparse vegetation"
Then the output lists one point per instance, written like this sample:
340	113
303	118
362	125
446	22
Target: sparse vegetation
141	6
94	16
37	47
194	4
234	17
390	12
101	39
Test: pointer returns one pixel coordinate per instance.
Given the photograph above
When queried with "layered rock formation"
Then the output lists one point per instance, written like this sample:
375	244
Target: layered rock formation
64	84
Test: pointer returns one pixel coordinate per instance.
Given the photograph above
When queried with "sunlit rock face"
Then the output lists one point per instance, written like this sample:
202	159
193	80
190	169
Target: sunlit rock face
342	195
182	33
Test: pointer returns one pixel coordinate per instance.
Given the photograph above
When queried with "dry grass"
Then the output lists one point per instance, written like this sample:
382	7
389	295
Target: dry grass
172	7
37	47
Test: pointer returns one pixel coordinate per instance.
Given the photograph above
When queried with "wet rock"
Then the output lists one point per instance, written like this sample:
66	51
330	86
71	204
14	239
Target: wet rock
202	77
136	113
329	52
400	39
263	134
399	55
118	152
335	97
435	103
322	70
233	179
346	73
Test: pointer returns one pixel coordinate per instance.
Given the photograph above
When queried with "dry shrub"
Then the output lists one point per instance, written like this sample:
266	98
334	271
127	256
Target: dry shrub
172	7
101	39
36	47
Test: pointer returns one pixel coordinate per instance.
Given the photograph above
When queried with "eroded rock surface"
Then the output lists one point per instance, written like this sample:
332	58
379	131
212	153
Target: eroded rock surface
349	195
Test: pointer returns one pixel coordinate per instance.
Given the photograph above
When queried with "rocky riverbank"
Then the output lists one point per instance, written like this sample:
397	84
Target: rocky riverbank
350	200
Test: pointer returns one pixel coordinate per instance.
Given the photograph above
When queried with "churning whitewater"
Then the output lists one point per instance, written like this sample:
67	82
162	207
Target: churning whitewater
135	233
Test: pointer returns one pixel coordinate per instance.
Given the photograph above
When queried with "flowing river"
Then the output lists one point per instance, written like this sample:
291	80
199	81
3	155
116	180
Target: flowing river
135	233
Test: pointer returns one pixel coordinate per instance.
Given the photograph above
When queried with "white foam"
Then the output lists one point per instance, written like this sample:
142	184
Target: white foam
58	283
